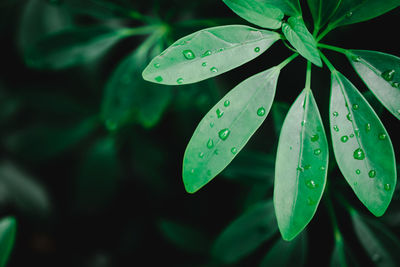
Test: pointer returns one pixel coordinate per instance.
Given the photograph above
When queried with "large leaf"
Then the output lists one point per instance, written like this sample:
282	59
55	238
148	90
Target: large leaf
73	46
301	166
227	127
246	233
287	254
208	53
127	97
381	245
362	146
8	227
353	11
257	12
322	10
381	73
298	35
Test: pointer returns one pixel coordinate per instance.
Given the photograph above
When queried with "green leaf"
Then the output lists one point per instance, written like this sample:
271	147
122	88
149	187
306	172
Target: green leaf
297	34
257	13
246	233
208	53
380	243
301	166
185	237
322	10
73	46
381	73
26	194
354	11
288	7
342	255
362	146
8	228
287	254
127	97
227	127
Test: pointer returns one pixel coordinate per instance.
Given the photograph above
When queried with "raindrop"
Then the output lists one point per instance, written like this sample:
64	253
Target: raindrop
356	58
307	167
300	169
314	138
221	49
335	128
261	111
303	122
344	138
351	135
358	154
179	81
388	75
204	64
317	151
211	124
382	136
156	65
349	116
189	54
355	106
322	168
358	171
372	173
201	155
210	143
257	49
227	103
158	79
234	150
224	134
349	14
216	152
207	53
214	69
192	171
387	187
219	113
367	127
357	131
335	114
311	201
311	184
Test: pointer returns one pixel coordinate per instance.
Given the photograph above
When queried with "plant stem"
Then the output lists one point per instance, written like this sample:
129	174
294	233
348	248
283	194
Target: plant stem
328	63
333	48
287	61
308	76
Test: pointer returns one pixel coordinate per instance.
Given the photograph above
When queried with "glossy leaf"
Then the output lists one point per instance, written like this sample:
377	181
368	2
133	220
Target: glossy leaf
246	233
362	146
227	127
185	237
128	98
208	53
257	12
298	35
381	73
322	10
301	166
287	254
288	7
381	245
354	11
73	46
8	228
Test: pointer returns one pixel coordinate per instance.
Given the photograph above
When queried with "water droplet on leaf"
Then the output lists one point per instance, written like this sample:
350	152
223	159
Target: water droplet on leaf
158	79
219	112
311	184
372	173
216	152
367	127
344	138
356	58
224	134
349	14
355	106
358	171
322	168
335	114
314	138
311	201
317	151
382	136
335	128
188	54
204	64
257	49
388	75
179	81
227	103
307	167
234	150
210	143
349	116
214	69
207	53
358	154
201	155
351	135
261	111
387	187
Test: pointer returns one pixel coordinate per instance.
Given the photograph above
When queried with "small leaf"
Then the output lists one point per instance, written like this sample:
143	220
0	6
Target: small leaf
185	237
301	166
380	243
73	46
288	7
362	146
354	11
322	10
246	233
208	53
286	254
297	34
258	13
224	131
381	73
127	97
8	228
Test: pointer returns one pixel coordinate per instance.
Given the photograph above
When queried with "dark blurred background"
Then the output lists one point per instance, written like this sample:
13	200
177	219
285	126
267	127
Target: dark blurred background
87	191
